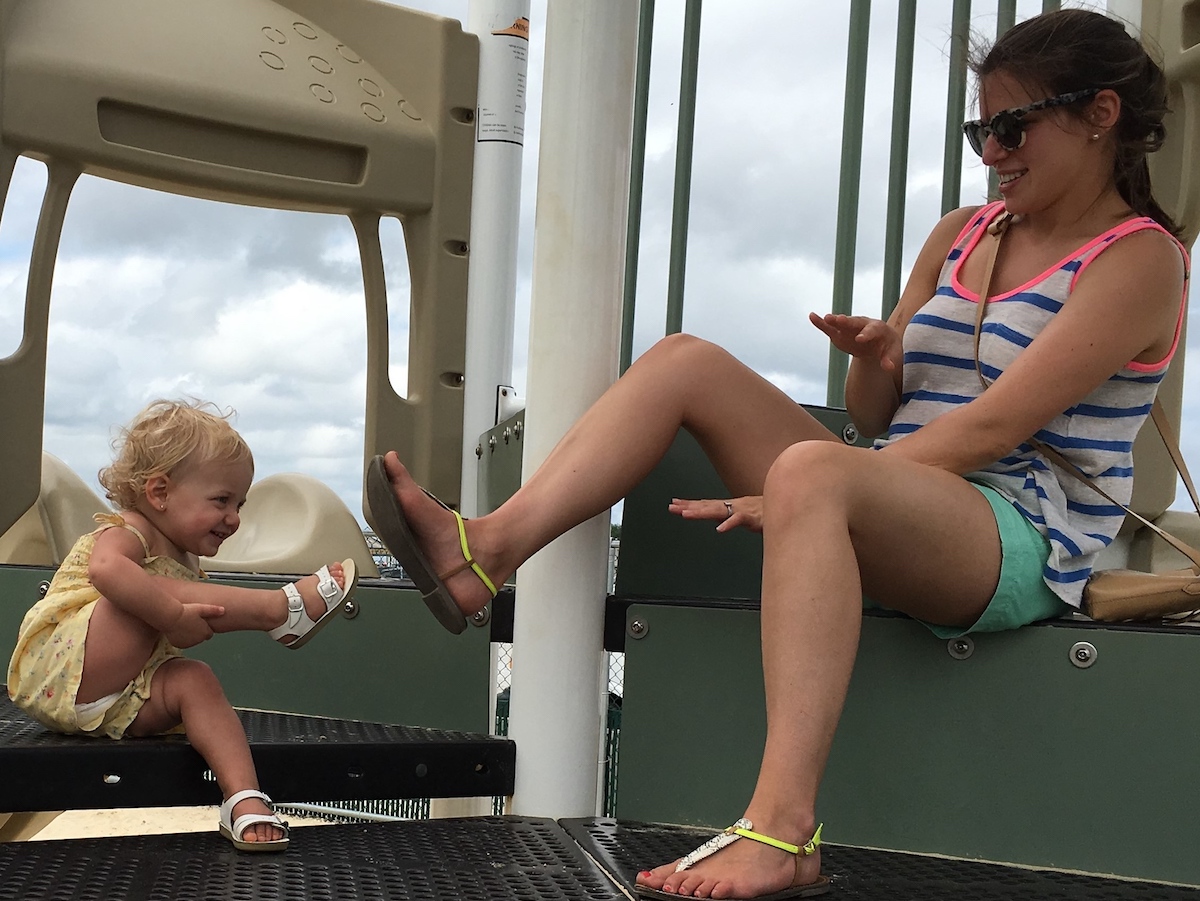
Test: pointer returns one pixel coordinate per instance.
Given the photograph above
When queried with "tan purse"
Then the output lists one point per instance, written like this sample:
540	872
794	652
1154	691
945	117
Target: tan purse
1118	595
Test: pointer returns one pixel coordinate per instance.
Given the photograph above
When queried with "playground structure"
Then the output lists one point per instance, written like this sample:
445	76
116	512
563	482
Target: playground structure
138	102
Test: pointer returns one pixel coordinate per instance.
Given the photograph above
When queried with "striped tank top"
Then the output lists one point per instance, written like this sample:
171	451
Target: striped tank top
1096	434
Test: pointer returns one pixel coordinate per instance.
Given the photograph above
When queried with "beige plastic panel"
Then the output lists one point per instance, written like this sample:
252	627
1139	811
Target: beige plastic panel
355	107
1174	27
293	523
47	531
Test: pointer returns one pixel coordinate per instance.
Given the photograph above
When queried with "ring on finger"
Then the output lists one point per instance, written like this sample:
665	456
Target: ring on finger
728	509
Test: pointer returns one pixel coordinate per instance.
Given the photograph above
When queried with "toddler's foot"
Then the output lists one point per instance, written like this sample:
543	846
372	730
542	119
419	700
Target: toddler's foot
258	832
309	603
249	821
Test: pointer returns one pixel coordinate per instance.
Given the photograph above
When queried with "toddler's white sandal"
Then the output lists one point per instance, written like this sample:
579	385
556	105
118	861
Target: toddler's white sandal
235	830
299	623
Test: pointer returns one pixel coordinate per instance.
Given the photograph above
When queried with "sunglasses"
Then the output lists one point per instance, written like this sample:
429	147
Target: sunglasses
1008	126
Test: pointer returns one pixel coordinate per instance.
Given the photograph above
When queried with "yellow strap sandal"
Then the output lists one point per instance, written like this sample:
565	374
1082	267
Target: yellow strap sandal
390	524
743	828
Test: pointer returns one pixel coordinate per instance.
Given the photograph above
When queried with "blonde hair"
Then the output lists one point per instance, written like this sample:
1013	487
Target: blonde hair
162	437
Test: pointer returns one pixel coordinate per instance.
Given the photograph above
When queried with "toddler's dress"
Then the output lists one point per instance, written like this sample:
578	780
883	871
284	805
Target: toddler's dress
44	673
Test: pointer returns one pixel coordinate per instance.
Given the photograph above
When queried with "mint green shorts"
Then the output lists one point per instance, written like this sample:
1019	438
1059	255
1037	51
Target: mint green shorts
1022	595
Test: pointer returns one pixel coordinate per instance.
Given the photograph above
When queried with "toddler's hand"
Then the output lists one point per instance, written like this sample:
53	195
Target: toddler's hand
193	627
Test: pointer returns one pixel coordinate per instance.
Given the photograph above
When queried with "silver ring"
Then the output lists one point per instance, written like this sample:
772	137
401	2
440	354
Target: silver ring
728	509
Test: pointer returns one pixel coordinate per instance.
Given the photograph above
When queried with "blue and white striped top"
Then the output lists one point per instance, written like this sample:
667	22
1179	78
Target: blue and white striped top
1096	434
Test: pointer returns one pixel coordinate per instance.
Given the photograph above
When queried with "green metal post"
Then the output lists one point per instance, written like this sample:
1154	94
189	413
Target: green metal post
637	172
906	30
1006	18
683	166
956	103
847	219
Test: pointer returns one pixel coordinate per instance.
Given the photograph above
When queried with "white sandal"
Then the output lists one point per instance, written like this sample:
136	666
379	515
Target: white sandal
234	831
299	623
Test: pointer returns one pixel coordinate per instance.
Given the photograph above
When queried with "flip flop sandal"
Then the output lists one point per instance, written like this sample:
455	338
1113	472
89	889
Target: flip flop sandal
742	829
392	527
235	830
298	622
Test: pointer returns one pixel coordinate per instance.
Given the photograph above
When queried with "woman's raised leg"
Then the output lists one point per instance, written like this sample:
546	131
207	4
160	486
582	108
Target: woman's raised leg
742	422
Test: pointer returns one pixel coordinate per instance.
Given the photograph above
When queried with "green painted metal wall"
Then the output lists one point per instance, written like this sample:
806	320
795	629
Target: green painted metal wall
1013	754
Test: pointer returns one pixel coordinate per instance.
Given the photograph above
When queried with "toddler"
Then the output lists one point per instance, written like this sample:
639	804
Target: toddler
99	654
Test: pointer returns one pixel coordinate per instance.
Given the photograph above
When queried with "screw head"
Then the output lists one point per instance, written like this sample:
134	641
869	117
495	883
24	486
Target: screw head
1083	654
849	433
638	628
481	617
350	609
961	648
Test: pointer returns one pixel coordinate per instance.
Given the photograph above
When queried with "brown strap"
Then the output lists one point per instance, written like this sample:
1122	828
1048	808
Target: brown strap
996	229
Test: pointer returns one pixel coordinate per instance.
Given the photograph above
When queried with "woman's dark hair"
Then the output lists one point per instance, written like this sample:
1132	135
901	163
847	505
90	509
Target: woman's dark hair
1076	49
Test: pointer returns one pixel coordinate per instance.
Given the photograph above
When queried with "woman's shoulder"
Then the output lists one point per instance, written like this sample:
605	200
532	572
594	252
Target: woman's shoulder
1139	245
954	225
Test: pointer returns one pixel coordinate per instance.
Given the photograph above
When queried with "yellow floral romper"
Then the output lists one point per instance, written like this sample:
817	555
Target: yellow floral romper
44	673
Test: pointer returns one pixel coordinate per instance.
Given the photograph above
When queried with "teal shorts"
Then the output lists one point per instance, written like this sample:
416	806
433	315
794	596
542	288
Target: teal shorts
1022	595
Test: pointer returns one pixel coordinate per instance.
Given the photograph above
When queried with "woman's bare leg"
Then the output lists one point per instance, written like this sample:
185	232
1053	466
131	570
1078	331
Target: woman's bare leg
187	691
118	644
741	421
839	521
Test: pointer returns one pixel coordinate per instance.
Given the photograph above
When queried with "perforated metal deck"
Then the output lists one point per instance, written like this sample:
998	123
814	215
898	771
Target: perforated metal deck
624	848
484	859
493	859
298	758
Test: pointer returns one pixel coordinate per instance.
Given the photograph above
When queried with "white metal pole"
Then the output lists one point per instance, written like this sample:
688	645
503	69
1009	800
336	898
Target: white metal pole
559	684
503	30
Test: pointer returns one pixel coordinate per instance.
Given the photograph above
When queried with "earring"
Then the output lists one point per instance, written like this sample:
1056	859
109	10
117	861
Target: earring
1095	136
162	507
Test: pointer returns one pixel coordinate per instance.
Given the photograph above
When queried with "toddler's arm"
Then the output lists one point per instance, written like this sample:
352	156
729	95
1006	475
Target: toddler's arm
116	572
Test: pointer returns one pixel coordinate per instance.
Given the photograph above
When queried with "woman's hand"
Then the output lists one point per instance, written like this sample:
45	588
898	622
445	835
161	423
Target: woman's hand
744	512
862	337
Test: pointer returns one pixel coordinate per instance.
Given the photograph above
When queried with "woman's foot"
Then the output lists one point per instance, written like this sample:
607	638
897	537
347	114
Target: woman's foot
257	832
436	533
743	869
315	605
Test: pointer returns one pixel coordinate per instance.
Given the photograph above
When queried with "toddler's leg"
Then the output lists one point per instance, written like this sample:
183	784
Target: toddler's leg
251	609
118	645
187	691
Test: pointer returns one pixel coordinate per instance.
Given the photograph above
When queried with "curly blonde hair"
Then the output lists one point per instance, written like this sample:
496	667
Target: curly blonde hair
164	435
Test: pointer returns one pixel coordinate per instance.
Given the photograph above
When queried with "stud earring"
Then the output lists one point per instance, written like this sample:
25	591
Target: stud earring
1095	136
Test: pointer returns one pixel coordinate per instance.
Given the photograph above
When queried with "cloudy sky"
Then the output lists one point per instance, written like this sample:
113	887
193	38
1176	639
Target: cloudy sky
262	311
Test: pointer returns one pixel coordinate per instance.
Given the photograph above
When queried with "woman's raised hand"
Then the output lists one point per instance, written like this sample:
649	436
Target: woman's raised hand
863	337
744	512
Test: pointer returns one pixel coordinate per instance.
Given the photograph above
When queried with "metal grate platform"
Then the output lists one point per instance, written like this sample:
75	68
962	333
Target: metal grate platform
298	758
486	859
624	848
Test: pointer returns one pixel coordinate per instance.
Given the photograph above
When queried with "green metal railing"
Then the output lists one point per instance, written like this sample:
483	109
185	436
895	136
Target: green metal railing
852	138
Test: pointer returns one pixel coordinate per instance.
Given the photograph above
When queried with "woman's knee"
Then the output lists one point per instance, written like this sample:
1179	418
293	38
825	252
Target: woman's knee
682	350
812	471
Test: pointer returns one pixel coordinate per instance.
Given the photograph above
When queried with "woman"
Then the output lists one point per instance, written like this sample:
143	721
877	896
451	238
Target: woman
953	517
